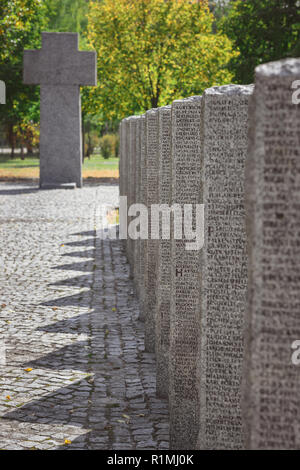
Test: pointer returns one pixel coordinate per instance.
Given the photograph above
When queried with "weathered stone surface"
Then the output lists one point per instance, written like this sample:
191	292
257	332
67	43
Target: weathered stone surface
127	173
60	69
59	62
143	200
60	138
272	400
152	198
185	278
223	282
123	165
121	158
137	243
163	289
131	185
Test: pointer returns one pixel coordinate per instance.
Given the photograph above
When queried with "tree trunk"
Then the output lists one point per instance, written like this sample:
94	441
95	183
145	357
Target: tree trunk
11	140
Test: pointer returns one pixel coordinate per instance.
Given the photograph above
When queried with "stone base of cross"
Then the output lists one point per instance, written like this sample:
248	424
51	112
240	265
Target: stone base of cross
60	69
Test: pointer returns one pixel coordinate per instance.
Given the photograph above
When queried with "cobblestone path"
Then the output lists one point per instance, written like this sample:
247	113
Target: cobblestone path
76	374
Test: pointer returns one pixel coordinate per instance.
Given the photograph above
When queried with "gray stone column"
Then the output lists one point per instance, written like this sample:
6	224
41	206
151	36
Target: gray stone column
123	165
132	186
185	278
120	158
162	321
60	139
272	399
143	200
223	283
127	172
137	200
152	198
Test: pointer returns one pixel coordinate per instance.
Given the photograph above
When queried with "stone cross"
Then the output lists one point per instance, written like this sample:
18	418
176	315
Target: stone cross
60	68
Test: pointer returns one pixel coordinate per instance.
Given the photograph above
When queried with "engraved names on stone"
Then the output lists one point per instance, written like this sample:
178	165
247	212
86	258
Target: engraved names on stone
223	283
272	399
185	277
152	198
163	289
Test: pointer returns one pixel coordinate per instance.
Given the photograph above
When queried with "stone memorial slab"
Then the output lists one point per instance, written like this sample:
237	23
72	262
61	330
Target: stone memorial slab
122	158
127	175
223	283
131	185
137	243
162	322
152	198
143	200
272	400
185	278
124	149
60	69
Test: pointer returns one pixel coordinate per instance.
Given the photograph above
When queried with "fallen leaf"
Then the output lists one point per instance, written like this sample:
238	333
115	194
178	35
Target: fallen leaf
28	369
126	416
67	441
3	305
121	421
54	309
8	397
114	309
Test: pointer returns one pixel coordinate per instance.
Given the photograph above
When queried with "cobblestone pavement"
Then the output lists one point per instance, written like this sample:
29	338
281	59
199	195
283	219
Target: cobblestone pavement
76	374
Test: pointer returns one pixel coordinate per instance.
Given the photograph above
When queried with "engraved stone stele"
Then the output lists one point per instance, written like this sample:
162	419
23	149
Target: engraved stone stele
137	243
120	160
152	198
131	185
122	169
127	175
143	200
123	175
60	69
223	283
163	289
272	400
122	157
185	276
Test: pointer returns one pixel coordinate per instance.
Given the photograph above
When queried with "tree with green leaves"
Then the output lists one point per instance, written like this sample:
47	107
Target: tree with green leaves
262	31
151	52
67	15
21	23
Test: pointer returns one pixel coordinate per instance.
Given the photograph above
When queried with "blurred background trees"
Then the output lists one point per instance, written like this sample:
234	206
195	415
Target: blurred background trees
262	31
149	53
21	23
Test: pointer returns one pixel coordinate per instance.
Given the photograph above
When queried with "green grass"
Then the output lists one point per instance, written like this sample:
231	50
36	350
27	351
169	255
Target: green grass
96	162
8	163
